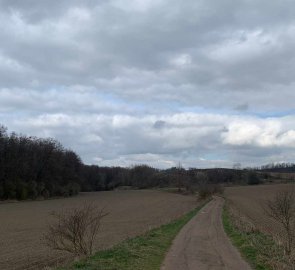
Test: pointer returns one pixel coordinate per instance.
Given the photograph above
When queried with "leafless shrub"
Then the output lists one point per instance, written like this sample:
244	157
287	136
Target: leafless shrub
282	209
75	230
206	189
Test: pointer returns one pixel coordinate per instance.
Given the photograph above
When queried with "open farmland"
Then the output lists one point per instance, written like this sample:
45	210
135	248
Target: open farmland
131	213
249	202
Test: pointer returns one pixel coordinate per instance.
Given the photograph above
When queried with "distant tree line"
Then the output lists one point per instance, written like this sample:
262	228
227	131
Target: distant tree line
32	168
284	167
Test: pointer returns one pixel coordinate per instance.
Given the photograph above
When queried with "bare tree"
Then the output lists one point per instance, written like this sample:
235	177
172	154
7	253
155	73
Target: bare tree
237	166
179	177
282	209
75	230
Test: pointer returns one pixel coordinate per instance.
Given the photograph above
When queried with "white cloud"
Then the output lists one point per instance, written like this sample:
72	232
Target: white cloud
260	133
195	139
181	60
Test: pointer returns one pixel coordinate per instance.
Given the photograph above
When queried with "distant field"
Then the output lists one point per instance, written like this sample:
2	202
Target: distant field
249	201
131	213
282	176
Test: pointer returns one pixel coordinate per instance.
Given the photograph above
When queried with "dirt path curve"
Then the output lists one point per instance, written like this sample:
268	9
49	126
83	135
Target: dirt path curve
202	244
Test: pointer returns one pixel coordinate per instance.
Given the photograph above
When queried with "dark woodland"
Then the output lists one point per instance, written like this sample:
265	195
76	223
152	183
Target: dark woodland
32	168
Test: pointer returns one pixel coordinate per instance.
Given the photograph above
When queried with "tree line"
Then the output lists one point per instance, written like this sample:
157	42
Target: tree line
284	167
32	167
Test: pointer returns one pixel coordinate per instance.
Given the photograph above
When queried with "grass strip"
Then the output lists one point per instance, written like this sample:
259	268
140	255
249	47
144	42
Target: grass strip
249	243
145	252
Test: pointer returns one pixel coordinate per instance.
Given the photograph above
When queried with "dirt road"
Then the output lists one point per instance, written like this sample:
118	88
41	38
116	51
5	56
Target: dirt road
202	244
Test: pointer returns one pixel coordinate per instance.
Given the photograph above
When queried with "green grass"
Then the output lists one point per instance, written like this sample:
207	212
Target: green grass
144	252
245	242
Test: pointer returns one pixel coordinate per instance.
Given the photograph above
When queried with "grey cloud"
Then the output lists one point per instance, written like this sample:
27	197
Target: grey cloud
159	124
35	11
242	107
65	62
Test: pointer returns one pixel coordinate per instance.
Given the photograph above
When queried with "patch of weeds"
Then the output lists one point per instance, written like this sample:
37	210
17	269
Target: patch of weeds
257	248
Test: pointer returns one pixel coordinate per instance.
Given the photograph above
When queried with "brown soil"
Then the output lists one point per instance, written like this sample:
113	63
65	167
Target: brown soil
202	244
249	201
131	213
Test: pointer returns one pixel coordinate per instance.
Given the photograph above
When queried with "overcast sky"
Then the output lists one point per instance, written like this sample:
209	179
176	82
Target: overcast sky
121	82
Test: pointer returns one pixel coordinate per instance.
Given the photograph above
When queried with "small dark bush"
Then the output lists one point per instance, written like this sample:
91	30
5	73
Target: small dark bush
252	178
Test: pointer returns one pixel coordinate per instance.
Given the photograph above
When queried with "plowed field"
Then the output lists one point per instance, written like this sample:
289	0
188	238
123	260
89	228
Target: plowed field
250	201
131	213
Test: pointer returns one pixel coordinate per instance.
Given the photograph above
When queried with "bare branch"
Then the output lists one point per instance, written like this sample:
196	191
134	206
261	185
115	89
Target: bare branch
75	230
282	209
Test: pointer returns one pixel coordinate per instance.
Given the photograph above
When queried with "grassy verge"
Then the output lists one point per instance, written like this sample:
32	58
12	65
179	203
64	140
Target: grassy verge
254	246
144	252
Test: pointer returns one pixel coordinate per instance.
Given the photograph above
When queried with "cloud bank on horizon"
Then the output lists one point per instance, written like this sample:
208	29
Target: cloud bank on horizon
207	83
